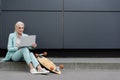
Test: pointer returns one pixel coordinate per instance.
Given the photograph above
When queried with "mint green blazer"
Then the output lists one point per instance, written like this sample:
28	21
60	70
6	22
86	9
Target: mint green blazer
12	46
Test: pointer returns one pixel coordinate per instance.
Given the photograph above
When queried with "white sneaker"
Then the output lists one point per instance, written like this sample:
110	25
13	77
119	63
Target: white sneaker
33	71
57	69
43	71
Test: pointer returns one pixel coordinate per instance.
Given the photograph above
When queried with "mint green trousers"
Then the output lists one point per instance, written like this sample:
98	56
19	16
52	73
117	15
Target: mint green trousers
25	54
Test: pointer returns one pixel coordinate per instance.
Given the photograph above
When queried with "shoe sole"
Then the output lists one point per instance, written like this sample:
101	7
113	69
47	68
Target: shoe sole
41	73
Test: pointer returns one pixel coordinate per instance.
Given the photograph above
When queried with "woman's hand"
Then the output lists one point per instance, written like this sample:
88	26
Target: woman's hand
34	45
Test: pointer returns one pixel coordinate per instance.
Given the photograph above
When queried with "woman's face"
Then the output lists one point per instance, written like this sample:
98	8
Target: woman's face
20	29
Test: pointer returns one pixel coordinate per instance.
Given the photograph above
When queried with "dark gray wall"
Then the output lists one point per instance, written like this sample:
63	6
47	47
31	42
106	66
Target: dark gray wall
92	5
65	24
91	24
0	24
46	25
41	17
92	30
32	4
0	5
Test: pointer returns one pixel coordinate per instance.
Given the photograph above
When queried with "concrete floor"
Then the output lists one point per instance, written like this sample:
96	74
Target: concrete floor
75	69
66	75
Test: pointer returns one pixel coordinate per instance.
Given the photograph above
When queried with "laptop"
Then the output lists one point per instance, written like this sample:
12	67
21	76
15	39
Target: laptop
27	41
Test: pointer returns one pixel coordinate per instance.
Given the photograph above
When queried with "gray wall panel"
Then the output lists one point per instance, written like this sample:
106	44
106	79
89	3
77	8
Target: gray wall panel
32	4
88	30
92	5
46	25
83	24
0	5
0	31
0	24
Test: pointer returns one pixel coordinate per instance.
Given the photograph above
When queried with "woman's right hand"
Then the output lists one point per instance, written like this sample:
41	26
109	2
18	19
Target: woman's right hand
34	45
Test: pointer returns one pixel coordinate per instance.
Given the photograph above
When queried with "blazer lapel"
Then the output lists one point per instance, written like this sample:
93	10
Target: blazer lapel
14	39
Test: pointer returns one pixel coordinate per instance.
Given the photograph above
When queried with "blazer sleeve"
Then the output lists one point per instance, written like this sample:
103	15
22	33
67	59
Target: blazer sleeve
11	46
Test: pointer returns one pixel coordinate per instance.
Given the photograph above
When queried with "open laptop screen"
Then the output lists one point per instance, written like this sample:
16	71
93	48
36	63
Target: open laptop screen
27	40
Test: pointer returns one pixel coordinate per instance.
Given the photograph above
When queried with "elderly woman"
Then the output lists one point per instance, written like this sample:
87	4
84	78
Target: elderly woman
16	54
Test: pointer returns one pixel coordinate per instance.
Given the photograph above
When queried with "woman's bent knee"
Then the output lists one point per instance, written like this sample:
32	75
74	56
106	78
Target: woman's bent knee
24	50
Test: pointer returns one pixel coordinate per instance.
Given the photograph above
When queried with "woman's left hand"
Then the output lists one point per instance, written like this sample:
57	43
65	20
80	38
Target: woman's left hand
34	45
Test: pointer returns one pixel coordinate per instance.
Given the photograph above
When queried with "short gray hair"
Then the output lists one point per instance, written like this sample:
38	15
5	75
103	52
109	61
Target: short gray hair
19	23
